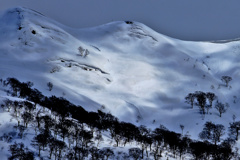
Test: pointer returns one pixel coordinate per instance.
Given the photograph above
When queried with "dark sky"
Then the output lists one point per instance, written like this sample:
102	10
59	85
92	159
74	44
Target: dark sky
182	19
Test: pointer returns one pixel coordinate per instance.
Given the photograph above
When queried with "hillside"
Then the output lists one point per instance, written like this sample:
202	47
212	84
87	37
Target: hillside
125	68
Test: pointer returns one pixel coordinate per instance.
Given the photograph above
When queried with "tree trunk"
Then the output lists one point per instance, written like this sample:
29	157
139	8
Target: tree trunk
55	154
237	135
38	123
50	153
39	150
147	152
60	153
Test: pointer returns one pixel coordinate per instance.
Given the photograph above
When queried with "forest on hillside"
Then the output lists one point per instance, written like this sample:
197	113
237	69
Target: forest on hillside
63	130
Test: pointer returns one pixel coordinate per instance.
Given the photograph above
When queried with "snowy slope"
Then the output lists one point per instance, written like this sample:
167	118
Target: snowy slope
137	74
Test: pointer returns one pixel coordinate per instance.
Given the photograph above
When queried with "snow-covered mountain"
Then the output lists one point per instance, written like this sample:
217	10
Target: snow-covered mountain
125	68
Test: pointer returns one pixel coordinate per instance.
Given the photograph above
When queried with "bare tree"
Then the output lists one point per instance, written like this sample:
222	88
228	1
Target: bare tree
27	117
182	128
50	86
190	98
234	129
226	80
221	108
41	140
218	132
212	132
211	97
201	100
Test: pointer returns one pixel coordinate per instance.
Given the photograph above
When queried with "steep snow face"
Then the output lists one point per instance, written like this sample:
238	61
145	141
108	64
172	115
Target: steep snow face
130	70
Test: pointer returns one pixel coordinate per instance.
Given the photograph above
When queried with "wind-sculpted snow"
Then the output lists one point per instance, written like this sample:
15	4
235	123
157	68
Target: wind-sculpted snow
137	74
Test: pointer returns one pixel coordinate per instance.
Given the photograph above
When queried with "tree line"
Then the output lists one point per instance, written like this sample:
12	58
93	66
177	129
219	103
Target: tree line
70	131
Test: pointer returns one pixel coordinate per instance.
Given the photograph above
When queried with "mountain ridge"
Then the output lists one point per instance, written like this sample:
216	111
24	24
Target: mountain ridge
129	69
